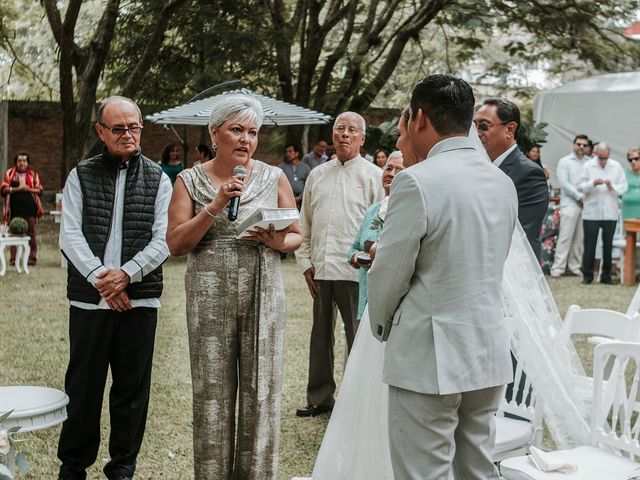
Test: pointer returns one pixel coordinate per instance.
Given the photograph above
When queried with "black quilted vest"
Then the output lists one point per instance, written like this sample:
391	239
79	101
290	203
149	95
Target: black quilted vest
97	177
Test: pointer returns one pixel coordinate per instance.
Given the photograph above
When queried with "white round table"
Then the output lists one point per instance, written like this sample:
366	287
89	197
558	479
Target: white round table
34	408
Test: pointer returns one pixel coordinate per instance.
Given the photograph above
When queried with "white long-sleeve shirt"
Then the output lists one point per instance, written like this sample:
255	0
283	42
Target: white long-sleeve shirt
334	202
569	174
600	203
77	250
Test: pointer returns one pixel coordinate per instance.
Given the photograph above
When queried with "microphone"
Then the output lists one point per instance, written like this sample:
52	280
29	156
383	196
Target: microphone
234	204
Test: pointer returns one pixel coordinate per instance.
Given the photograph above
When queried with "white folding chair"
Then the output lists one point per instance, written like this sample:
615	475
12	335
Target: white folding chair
614	422
634	304
515	435
602	322
605	325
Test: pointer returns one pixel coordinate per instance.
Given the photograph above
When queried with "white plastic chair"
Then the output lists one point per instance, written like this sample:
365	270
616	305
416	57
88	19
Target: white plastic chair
607	325
614	426
601	322
634	304
604	324
514	436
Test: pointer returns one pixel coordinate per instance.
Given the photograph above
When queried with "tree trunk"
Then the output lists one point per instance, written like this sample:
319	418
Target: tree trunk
88	63
317	82
151	50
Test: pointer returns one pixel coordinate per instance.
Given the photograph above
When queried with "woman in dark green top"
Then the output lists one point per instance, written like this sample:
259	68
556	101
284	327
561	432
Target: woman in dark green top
631	198
171	163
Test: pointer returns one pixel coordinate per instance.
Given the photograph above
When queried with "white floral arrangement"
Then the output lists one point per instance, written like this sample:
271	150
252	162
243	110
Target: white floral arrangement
7	442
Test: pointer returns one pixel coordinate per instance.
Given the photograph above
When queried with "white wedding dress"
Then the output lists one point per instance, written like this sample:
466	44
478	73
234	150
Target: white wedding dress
355	445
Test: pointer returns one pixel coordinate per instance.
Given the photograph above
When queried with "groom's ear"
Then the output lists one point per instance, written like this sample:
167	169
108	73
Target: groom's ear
422	120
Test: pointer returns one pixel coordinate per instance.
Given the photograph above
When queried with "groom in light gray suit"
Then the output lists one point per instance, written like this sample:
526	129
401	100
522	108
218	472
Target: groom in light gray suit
435	290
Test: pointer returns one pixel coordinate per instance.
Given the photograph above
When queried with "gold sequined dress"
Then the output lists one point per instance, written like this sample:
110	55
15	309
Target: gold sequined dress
235	317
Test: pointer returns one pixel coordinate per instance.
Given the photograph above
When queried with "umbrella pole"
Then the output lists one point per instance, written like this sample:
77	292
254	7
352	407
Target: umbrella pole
185	147
305	139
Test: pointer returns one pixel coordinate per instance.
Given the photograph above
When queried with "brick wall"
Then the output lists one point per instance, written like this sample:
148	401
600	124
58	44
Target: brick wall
36	128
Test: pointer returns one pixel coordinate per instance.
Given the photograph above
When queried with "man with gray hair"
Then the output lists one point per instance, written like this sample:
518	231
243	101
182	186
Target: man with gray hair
112	233
336	196
602	182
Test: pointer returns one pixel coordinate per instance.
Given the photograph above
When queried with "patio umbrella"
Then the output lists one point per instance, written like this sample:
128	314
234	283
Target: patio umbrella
276	112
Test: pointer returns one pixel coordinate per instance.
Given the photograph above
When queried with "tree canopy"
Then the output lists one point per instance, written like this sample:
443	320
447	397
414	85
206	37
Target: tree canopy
329	55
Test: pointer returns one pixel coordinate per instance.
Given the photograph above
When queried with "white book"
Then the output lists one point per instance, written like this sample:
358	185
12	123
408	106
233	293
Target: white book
281	218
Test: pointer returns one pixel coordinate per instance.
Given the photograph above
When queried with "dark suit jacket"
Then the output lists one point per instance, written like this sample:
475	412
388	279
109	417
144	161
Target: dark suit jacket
533	194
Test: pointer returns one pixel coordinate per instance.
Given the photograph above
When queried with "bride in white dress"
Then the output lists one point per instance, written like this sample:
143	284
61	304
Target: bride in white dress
355	445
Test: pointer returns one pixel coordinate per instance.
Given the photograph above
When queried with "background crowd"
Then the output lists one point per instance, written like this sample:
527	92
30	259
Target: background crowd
596	194
341	193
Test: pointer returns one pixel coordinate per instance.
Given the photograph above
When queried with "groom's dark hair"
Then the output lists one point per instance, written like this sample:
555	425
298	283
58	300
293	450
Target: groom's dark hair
448	101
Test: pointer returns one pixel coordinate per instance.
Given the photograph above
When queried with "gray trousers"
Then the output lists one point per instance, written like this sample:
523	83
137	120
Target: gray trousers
342	294
432	437
569	246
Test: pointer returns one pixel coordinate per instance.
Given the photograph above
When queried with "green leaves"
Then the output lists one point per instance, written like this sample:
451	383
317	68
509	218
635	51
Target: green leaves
4	416
382	136
531	135
22	464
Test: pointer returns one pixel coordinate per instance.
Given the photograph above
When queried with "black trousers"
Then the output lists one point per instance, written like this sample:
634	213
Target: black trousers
100	339
591	228
342	294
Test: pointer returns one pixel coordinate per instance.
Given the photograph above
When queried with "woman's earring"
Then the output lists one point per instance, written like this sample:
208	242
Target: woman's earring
214	147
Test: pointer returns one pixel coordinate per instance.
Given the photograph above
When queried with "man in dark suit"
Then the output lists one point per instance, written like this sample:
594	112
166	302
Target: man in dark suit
498	122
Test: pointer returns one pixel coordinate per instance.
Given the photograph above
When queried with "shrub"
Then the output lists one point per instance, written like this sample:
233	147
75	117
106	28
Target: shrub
18	226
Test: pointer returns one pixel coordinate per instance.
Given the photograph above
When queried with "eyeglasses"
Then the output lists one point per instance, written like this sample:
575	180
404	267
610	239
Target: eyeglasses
120	131
344	128
485	126
633	159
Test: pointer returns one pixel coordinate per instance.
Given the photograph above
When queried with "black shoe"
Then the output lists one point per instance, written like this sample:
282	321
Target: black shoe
586	281
569	273
313	410
606	281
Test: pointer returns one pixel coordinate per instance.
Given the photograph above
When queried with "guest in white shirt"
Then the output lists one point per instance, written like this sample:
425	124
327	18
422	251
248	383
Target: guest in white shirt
603	181
568	254
336	196
112	233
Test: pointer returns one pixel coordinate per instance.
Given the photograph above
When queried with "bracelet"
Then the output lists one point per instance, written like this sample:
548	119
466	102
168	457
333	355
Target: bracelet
208	212
10	189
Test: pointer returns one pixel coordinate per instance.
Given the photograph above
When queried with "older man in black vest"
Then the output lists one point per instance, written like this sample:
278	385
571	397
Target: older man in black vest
113	235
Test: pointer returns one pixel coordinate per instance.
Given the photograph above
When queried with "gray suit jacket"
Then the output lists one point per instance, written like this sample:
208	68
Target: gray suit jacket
437	276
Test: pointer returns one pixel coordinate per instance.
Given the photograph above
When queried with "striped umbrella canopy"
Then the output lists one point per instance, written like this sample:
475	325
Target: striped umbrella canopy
276	112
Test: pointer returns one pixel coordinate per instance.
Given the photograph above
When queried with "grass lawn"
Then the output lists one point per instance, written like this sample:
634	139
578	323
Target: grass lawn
33	326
